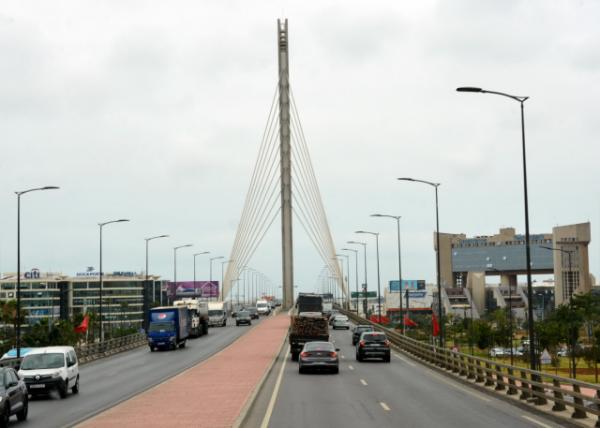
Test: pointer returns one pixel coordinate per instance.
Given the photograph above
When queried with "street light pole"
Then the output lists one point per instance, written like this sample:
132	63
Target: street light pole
175	264
364	245
195	255
18	323
210	273
147	274
397	218
521	100
437	235
355	274
101	225
376	235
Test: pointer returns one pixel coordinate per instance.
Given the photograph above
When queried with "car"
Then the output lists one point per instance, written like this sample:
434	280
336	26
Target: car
373	344
14	398
319	356
334	313
563	352
253	313
243	317
498	352
358	330
51	368
341	321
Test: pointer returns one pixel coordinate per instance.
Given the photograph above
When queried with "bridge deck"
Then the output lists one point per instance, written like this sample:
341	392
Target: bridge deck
211	394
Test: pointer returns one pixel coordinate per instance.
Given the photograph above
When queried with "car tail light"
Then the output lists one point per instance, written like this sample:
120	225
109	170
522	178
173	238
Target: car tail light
361	343
304	354
333	354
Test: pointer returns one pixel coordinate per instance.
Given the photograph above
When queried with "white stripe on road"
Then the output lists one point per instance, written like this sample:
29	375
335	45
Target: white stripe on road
267	418
343	357
364	382
535	421
385	406
405	360
350	367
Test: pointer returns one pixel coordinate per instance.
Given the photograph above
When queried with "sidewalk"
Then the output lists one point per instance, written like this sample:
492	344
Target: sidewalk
211	394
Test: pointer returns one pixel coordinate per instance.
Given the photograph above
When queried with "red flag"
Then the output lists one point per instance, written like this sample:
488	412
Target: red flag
82	328
435	325
408	322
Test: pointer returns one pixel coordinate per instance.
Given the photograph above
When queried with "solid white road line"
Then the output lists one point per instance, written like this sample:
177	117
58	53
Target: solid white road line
385	406
535	421
364	382
404	360
267	418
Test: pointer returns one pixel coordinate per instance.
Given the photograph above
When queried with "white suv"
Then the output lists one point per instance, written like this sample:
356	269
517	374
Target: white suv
51	368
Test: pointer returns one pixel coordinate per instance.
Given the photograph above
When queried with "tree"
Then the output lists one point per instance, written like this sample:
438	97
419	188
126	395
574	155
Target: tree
481	334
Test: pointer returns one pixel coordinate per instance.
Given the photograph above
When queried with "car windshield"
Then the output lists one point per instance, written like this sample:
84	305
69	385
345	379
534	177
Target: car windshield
215	313
43	361
341	318
261	305
318	346
364	328
375	337
162	326
243	314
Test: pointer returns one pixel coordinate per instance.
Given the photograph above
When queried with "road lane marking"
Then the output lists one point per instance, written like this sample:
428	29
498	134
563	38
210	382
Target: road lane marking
364	382
350	367
460	388
385	406
405	360
267	418
535	421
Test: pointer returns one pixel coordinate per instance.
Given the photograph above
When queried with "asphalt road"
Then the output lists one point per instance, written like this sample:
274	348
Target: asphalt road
109	381
373	394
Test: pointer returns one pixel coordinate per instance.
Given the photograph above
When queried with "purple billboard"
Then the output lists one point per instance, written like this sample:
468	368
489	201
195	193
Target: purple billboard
193	289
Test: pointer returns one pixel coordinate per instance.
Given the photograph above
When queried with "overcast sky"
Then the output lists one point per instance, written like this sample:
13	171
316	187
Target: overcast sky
153	111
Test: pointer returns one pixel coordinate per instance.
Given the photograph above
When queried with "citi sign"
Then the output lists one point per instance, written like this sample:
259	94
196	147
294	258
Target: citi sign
32	274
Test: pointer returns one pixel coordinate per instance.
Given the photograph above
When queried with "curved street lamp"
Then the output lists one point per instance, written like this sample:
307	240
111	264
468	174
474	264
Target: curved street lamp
376	235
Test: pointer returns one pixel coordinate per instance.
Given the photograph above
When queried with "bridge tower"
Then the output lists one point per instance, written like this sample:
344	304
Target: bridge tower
286	166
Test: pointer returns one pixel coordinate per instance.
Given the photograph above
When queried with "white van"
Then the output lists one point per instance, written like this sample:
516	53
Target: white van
263	308
51	368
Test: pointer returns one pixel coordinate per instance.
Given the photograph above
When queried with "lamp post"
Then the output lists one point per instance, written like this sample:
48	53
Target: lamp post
521	100
347	257
364	245
223	278
376	235
18	323
210	273
397	218
355	274
101	226
570	281
147	274
437	235
175	263
196	255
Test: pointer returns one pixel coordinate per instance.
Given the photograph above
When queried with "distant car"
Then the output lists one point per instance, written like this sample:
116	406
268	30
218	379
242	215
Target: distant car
341	321
564	352
14	399
358	330
373	344
51	368
243	317
319	356
253	313
499	352
334	313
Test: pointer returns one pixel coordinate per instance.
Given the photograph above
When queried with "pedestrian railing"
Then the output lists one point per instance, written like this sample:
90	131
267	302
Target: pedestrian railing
533	387
93	351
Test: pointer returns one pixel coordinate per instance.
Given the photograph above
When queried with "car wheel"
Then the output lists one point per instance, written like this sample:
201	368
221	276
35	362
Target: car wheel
301	370
336	370
152	349
224	323
63	389
295	356
75	388
387	359
237	324
22	415
4	419
358	358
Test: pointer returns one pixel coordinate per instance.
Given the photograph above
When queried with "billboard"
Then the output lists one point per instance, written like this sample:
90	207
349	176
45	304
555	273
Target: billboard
408	284
193	289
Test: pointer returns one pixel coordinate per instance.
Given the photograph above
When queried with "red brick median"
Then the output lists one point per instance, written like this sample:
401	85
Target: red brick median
211	394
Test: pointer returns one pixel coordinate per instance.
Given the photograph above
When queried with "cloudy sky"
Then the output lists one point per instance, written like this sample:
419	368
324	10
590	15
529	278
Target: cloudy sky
154	111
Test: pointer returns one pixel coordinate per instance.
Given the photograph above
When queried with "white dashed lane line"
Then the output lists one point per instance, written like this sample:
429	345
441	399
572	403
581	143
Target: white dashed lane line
364	382
535	421
350	367
384	406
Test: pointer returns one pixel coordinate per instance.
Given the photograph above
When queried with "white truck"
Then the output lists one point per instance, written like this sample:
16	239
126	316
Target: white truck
263	307
198	312
218	312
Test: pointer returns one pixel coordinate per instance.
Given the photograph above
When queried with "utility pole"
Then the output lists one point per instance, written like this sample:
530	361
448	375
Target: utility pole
286	166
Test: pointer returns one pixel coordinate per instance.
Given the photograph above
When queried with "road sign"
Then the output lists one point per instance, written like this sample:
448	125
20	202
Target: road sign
361	295
545	358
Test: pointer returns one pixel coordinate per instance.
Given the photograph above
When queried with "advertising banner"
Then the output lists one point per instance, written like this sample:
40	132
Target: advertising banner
193	289
407	284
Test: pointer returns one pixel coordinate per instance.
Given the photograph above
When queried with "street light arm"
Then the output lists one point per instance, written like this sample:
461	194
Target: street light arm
395	217
22	192
367	232
122	220
520	99
416	180
156	237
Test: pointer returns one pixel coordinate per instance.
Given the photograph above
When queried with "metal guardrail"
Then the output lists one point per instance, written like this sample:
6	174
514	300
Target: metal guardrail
94	351
535	387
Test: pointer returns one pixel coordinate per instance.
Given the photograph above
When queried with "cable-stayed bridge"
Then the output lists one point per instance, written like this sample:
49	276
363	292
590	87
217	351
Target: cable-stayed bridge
283	185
